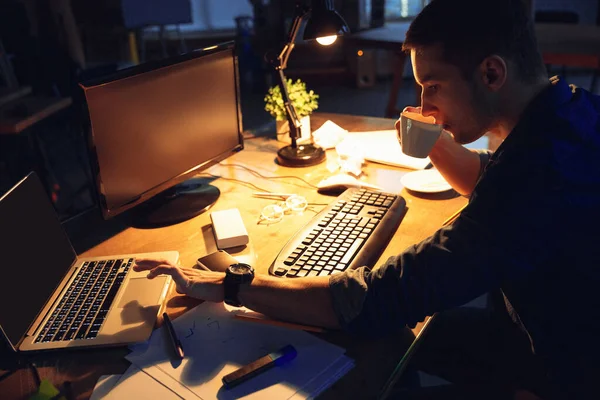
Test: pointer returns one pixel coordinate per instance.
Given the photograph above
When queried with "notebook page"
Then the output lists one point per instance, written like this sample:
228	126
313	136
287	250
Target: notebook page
216	344
383	147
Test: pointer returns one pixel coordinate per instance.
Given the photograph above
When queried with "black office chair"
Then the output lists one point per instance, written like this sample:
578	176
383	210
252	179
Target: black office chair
568	17
561	17
557	16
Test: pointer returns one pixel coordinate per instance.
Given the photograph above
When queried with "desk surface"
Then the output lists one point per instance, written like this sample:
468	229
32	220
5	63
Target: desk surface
568	38
22	113
388	37
375	359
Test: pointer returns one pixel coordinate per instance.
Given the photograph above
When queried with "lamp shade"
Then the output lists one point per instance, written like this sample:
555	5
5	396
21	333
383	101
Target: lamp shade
324	21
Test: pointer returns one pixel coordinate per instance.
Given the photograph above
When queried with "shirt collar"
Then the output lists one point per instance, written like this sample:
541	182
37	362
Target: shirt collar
552	97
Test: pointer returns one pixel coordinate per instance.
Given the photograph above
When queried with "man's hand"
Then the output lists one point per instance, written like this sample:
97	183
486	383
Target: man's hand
276	297
416	110
203	285
442	140
397	124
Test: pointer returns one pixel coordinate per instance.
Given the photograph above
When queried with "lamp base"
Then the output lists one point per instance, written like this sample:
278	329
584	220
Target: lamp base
304	155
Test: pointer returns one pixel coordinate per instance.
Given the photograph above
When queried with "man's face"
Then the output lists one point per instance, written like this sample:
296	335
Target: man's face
463	107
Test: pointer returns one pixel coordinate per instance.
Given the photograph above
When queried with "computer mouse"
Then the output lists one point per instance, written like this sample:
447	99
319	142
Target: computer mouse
340	182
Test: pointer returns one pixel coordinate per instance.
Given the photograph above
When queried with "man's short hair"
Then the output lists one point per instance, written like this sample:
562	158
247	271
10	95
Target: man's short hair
471	30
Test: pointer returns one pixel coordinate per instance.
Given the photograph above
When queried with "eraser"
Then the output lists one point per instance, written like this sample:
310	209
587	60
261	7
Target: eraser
229	228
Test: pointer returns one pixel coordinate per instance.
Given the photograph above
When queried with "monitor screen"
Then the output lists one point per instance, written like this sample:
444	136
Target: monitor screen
155	125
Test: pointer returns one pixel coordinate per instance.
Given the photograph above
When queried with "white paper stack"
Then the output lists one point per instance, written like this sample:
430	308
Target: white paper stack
216	344
383	147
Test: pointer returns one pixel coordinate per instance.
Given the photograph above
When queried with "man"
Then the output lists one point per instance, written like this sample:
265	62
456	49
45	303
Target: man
530	228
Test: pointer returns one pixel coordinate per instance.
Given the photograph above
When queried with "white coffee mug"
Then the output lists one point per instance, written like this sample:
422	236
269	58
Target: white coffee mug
417	134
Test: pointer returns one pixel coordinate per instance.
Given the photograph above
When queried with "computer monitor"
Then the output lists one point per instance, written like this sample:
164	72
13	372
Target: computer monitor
156	125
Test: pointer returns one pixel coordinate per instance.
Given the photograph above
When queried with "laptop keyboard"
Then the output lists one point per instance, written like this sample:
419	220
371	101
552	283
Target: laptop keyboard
85	305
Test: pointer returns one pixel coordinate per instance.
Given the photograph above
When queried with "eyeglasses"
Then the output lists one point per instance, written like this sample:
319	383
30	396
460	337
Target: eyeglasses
274	212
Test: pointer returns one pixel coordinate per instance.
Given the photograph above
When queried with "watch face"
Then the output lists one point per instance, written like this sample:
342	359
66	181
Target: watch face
240	268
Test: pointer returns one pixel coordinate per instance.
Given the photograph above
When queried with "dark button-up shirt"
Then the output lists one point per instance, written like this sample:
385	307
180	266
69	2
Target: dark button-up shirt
531	228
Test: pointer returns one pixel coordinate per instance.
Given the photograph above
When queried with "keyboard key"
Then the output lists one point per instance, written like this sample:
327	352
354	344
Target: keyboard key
290	260
85	304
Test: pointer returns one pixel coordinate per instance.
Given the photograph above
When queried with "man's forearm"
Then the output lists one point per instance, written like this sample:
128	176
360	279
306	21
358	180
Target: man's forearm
302	300
457	164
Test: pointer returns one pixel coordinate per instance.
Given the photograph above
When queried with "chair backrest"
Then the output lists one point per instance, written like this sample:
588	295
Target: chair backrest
557	16
7	74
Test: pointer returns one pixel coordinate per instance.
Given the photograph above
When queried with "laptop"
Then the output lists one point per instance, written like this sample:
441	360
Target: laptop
52	299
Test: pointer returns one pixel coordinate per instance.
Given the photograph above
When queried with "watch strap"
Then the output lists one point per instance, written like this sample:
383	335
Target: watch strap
231	286
231	290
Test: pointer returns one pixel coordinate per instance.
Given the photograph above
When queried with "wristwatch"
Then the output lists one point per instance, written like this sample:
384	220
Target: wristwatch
235	275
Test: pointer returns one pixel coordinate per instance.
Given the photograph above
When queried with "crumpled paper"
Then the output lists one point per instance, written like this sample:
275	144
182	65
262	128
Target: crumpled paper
329	135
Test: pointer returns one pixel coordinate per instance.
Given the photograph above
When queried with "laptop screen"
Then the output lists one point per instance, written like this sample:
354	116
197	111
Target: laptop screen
35	254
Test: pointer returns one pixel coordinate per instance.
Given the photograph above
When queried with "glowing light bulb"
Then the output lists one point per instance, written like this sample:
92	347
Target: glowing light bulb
327	40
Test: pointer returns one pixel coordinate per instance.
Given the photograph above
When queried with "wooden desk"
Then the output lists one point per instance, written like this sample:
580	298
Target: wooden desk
389	37
21	146
570	45
572	39
375	359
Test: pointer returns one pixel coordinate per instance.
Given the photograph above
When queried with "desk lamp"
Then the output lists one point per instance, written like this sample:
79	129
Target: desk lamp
324	24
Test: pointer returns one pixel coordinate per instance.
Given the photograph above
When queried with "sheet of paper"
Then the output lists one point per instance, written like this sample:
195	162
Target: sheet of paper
104	385
134	383
383	147
325	379
216	344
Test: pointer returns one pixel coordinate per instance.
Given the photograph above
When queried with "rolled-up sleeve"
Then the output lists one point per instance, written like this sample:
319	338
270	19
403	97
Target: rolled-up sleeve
348	290
410	286
459	262
484	159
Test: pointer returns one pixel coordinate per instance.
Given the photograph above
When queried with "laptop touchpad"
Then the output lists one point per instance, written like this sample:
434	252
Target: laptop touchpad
142	292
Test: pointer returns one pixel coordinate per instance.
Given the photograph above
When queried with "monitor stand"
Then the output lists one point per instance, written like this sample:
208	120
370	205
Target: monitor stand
177	204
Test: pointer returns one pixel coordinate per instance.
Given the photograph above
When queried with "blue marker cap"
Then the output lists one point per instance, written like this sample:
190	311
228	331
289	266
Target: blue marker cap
284	355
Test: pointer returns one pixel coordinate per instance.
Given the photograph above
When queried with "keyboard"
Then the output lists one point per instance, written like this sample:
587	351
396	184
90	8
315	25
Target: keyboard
84	306
349	233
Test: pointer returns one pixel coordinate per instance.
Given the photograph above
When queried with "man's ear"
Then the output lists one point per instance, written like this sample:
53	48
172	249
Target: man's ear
493	72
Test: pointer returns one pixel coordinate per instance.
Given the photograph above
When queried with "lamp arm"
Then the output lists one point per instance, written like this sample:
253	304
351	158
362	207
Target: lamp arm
293	120
290	112
301	12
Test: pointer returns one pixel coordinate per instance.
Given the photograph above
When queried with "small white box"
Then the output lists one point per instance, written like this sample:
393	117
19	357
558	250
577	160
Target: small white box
229	228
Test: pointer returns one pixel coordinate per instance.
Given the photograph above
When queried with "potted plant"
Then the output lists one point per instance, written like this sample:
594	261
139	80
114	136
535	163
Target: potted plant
304	101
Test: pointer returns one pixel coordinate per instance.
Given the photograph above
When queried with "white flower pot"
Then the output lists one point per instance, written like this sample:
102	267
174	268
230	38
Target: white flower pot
283	131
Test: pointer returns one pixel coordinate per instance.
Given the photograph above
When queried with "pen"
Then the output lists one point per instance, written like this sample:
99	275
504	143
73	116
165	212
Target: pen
246	372
175	343
451	218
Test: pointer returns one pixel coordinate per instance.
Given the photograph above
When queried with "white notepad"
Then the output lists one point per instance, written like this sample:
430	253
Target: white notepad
383	147
134	383
216	344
